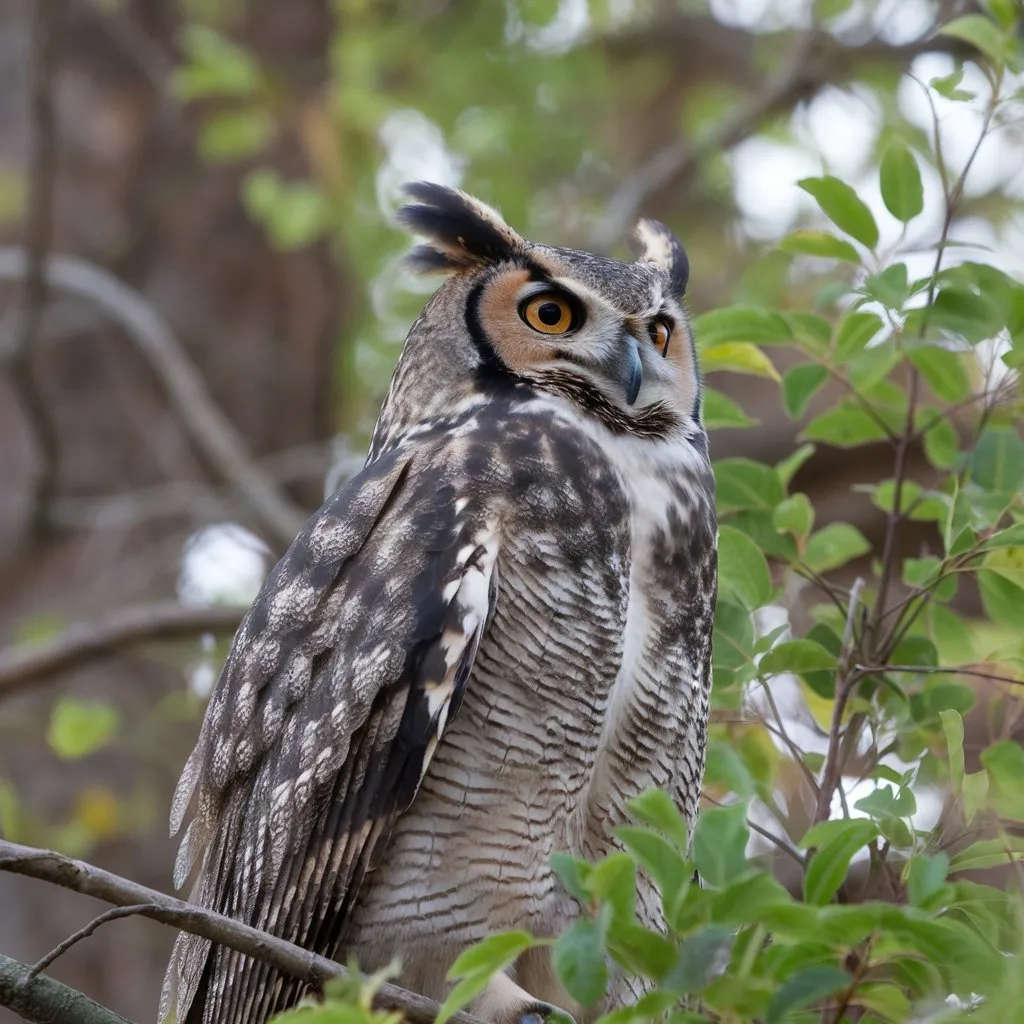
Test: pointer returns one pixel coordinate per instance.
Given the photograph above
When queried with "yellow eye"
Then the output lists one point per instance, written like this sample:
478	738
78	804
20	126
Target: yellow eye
661	334
549	313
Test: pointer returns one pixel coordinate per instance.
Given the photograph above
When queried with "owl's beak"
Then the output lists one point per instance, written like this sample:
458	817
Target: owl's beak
632	369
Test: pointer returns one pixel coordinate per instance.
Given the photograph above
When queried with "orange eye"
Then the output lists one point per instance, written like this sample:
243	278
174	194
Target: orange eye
661	335
549	313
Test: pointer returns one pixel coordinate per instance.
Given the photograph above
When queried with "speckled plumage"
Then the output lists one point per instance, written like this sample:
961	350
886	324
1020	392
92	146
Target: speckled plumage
479	648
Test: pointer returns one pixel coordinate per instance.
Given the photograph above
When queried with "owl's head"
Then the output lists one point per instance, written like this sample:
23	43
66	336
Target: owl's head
609	336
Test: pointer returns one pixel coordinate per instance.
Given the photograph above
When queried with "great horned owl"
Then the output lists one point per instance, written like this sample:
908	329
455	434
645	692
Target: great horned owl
481	646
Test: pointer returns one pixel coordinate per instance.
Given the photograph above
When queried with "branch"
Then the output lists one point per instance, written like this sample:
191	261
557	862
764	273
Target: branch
42	1000
85	642
845	681
289	959
211	430
39	232
935	670
818	60
114	914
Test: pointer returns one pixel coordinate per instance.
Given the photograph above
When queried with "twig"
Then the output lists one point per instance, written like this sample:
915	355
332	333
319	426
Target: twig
289	959
39	232
42	1000
679	160
934	670
845	682
86	642
83	933
211	430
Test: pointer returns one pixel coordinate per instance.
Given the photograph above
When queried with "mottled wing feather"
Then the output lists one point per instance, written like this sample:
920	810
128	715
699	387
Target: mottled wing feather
341	680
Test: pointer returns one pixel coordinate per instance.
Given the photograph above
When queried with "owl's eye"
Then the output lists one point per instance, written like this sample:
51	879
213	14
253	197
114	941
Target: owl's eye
549	313
661	335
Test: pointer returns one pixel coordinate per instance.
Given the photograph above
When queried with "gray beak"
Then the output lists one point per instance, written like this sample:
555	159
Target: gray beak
632	369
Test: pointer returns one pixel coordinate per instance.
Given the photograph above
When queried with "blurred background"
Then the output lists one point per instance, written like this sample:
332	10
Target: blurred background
215	183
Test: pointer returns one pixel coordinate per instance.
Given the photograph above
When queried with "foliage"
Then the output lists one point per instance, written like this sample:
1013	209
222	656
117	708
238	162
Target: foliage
884	673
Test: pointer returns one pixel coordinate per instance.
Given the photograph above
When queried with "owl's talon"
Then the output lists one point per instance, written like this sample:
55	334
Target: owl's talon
544	1013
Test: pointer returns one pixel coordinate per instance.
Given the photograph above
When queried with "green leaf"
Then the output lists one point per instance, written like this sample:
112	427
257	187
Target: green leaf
981	33
656	808
719	412
726	770
795	515
739	324
799	385
78	728
702	958
1004	763
833	546
923	572
941	445
953	727
819	243
841	204
742	569
720	844
642	951
997	463
743	901
1002	598
613	882
900	179
947	86
788	467
845	426
235	134
734	635
745	484
854	333
215	66
975	792
579	962
798	657
989	853
738	357
493	954
890	287
810	986
828	866
574	874
658	857
944	371
926	876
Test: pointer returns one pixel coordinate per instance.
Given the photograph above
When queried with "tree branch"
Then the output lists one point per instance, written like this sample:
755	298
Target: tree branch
42	174
211	430
818	59
42	1000
298	963
86	642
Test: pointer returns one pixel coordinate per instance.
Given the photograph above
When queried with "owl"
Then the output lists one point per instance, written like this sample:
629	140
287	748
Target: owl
480	647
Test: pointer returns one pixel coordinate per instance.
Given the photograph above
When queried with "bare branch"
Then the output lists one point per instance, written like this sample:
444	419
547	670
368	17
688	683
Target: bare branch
89	641
298	963
83	933
818	59
846	680
944	670
211	430
39	232
42	1000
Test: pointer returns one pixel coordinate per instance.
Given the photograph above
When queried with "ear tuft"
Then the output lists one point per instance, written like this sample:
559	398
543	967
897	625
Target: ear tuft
652	242
462	232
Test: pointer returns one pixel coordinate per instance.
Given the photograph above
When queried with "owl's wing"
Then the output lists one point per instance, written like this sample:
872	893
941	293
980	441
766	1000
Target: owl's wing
339	684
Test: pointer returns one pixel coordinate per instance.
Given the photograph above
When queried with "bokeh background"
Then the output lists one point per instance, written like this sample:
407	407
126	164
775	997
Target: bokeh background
237	164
